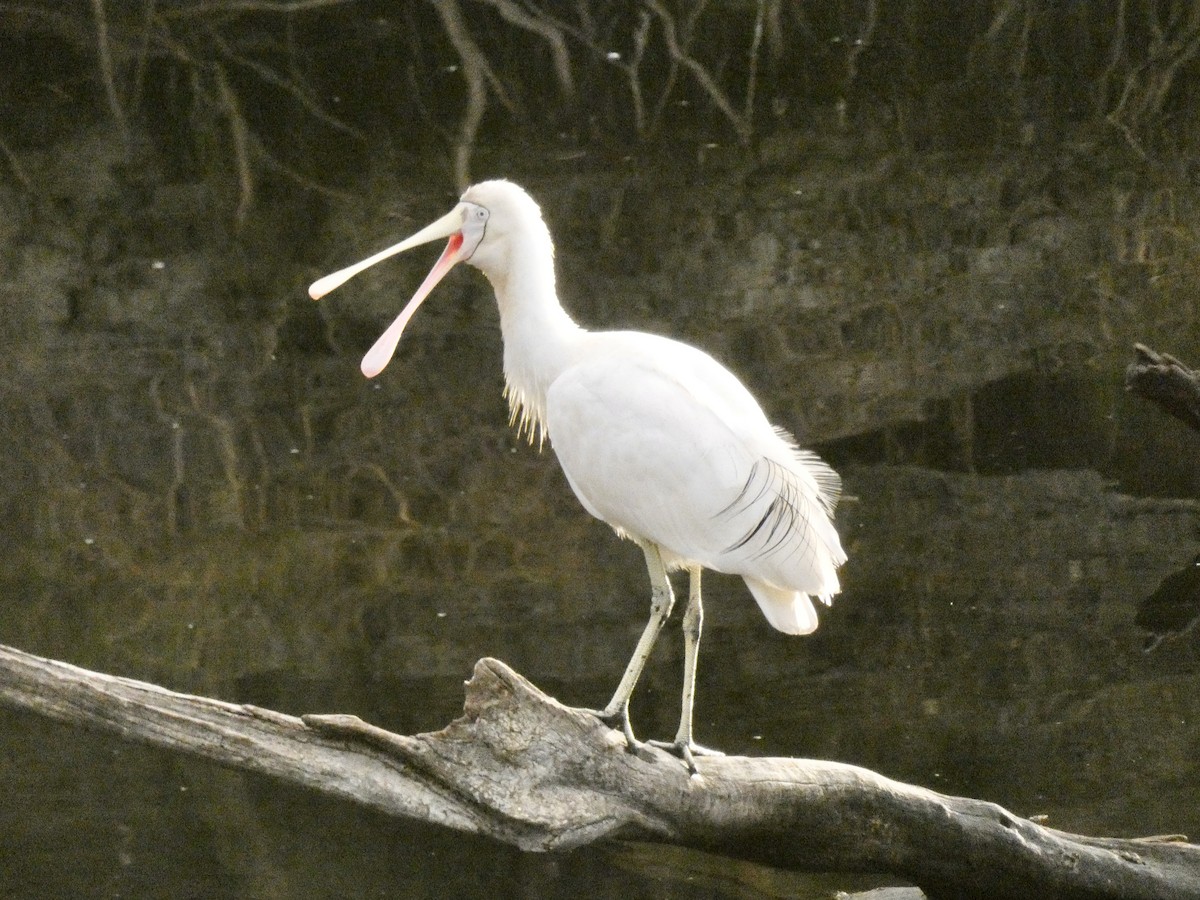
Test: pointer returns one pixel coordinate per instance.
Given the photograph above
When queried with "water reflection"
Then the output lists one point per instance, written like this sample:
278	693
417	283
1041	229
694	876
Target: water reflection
985	645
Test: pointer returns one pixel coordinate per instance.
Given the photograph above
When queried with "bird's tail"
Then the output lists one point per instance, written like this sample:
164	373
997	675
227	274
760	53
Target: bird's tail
791	612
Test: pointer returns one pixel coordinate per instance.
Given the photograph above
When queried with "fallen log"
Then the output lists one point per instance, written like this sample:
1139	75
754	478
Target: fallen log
524	769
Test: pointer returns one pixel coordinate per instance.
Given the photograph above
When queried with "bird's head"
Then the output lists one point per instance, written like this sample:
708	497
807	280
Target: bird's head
481	231
511	216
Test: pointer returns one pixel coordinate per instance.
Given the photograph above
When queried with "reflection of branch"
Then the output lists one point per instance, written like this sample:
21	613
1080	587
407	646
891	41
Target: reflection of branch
680	55
1116	53
1121	122
760	13
107	74
477	74
301	179
543	26
1000	20
865	35
303	97
227	7
377	472
854	48
631	68
178	467
14	165
224	435
524	769
239	134
175	33
1148	83
250	141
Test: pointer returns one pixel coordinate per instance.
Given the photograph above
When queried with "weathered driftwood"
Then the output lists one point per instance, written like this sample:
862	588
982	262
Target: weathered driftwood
521	767
1162	379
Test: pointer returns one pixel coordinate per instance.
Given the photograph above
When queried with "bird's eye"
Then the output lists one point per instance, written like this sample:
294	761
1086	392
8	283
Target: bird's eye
481	213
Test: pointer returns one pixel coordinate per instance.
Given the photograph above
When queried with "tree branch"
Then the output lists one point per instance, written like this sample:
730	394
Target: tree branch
1162	379
527	770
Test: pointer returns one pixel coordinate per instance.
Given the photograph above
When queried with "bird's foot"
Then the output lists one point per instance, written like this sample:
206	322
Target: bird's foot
618	719
687	750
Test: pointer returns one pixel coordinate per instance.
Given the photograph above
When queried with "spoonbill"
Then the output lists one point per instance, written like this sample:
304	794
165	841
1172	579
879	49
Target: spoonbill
656	438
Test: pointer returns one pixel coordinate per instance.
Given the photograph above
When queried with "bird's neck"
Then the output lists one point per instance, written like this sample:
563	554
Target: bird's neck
540	339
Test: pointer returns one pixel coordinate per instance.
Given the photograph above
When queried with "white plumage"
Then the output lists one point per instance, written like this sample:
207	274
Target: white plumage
660	441
656	438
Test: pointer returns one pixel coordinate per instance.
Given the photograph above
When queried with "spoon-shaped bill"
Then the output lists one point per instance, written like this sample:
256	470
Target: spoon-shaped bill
442	228
383	349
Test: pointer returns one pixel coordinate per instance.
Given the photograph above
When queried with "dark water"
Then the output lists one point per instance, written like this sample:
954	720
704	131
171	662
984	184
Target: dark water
197	488
985	645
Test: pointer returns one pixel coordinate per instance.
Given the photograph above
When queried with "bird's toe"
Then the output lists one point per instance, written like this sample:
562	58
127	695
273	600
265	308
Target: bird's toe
618	720
687	750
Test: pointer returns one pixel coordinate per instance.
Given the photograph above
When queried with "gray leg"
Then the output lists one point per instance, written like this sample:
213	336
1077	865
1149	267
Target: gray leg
661	601
693	621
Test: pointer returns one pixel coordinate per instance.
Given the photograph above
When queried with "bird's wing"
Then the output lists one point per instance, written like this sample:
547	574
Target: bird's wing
724	394
663	443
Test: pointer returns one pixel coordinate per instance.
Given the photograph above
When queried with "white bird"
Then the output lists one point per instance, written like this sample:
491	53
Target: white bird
656	438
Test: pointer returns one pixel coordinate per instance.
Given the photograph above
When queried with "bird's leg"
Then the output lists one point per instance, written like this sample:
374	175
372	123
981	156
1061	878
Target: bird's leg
693	622
661	601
